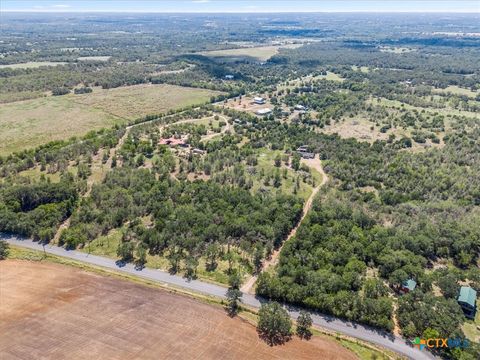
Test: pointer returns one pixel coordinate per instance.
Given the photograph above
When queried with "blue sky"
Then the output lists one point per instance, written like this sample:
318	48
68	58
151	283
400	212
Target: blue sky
472	6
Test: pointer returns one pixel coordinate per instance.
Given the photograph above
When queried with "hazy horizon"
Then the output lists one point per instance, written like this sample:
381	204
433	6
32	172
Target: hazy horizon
241	6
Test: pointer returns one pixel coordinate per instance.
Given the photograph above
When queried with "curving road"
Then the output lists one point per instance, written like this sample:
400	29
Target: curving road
330	323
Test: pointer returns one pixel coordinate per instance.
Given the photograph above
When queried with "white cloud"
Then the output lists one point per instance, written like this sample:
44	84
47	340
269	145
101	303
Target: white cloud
61	6
201	1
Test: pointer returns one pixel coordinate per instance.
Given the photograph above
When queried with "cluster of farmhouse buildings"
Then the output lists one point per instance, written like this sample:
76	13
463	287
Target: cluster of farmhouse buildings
174	142
267	111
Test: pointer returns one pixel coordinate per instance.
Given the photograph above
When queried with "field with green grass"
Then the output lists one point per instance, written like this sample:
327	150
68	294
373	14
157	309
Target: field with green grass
131	102
31	65
457	91
29	123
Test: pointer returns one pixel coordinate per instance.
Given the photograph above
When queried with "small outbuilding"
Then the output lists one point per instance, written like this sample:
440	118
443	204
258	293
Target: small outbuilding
229	77
259	100
467	299
408	286
263	112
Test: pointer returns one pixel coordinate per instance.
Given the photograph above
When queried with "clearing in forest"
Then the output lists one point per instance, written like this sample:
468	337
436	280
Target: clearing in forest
261	53
31	65
52	311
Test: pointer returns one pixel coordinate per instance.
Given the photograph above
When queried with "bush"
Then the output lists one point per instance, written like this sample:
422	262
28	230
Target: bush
60	91
3	249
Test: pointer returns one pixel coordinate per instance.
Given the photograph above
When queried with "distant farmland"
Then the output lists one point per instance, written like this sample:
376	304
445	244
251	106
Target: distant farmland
31	65
261	53
29	123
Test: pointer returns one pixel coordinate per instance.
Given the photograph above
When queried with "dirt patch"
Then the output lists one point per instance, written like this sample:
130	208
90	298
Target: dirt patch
50	311
246	104
360	130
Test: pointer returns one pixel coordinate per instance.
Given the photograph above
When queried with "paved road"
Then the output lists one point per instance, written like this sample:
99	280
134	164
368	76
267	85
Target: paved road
386	340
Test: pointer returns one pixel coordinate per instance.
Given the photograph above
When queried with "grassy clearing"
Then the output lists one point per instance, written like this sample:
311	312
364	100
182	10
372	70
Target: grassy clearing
261	53
364	69
94	58
444	111
266	164
396	50
31	65
35	173
29	123
20	96
457	91
131	102
299	81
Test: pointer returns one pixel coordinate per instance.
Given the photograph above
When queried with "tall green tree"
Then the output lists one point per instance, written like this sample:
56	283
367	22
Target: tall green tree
233	294
274	324
304	324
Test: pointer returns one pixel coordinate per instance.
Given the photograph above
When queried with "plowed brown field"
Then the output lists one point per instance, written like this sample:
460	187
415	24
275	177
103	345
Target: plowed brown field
51	311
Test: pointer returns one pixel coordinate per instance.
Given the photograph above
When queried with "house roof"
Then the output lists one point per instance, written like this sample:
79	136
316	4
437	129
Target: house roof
467	295
410	284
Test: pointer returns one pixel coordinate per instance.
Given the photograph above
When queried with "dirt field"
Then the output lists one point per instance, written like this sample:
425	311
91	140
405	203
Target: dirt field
29	123
246	104
358	129
50	311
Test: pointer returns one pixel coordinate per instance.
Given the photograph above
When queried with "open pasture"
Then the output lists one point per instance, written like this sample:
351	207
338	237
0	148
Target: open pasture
29	123
261	53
